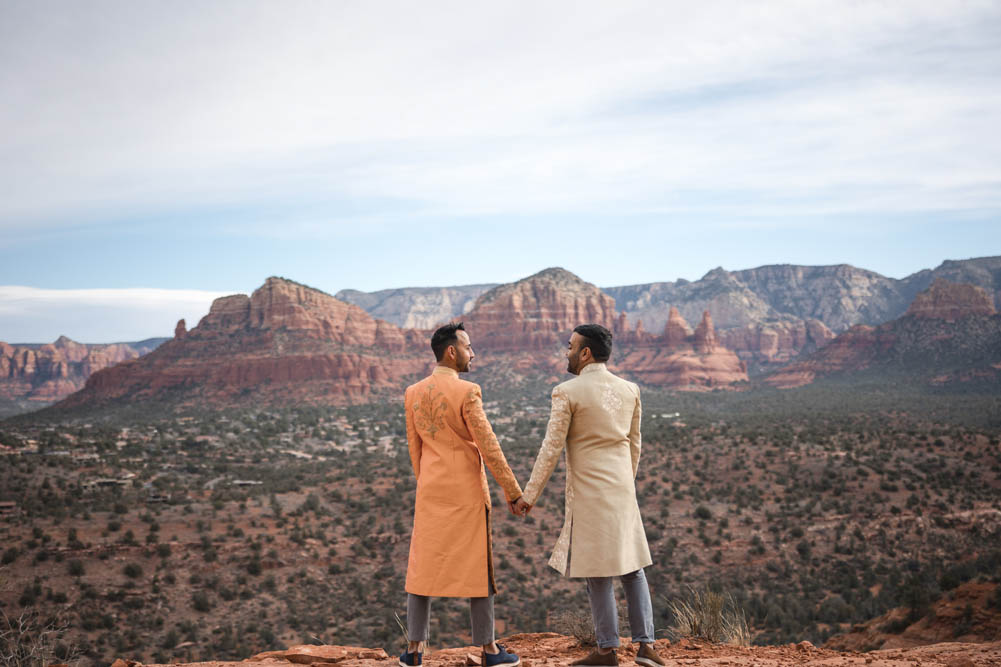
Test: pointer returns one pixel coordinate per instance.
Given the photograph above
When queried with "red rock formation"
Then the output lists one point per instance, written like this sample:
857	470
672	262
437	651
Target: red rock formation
284	343
537	313
950	301
776	342
181	330
682	359
951	325
515	324
676	331
705	335
51	372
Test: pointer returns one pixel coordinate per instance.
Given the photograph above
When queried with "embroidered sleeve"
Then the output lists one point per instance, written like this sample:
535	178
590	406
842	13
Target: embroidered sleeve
635	437
486	442
414	442
552	446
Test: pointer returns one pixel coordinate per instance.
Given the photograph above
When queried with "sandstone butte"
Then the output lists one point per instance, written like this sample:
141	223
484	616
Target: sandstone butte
50	372
554	650
285	342
679	357
862	346
290	343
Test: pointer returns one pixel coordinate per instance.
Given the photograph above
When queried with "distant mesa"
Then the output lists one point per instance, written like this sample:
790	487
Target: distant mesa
46	373
291	343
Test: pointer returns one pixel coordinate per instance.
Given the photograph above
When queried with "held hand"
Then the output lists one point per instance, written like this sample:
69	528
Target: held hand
520	507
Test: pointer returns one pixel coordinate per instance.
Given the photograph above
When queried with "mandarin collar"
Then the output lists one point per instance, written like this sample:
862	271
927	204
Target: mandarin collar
593	367
445	370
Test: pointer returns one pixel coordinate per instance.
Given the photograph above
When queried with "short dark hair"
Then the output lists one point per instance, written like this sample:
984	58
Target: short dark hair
597	338
443	337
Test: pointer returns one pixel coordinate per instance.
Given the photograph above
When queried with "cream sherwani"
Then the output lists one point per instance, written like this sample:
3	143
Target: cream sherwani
596	418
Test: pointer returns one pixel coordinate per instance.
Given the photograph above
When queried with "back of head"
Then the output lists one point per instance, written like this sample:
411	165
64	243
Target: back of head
597	338
443	337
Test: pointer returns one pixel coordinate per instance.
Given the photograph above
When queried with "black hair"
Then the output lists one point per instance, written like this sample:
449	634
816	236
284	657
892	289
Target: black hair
597	338
444	337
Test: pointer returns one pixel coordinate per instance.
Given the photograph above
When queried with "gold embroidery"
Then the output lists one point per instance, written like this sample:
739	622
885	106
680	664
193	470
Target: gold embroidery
611	402
549	455
429	411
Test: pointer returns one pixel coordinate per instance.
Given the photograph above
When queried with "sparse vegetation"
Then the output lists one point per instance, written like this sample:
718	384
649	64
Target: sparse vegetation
710	615
816	510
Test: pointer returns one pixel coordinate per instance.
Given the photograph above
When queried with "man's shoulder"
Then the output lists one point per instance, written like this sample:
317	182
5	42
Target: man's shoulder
466	386
603	376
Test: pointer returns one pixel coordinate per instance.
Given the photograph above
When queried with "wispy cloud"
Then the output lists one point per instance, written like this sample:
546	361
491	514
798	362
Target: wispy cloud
32	315
468	109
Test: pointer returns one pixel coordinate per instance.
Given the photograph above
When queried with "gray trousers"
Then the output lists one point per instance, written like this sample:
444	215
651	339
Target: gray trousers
606	616
481	616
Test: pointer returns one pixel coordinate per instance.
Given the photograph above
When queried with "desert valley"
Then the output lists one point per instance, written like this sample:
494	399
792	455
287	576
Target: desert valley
823	444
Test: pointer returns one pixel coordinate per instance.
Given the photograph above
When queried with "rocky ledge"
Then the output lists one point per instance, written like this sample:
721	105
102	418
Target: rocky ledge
554	650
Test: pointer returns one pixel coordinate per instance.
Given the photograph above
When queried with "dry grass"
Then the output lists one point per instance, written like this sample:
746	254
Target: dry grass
580	626
711	616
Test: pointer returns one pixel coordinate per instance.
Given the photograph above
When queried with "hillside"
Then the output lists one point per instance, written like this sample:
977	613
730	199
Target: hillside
950	334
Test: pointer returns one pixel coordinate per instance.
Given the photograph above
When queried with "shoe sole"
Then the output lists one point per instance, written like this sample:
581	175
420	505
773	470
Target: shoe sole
505	664
647	662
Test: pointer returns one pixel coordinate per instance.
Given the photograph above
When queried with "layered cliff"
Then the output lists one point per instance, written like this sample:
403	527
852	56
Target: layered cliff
950	333
285	342
416	307
772	314
526	324
47	373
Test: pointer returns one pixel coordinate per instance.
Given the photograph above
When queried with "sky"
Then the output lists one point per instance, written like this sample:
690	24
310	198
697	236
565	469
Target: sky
154	155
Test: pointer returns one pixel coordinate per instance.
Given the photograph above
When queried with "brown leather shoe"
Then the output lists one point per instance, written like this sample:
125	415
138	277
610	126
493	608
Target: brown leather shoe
648	657
596	657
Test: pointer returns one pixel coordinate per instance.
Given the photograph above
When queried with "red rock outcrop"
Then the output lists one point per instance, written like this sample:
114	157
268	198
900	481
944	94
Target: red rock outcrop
853	350
537	313
50	372
548	648
776	342
951	301
950	328
705	335
966	614
284	343
676	330
516	324
681	359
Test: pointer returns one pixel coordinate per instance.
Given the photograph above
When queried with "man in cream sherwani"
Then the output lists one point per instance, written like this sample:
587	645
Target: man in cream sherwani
596	417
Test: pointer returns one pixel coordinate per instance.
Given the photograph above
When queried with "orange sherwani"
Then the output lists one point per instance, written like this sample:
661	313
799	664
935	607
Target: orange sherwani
450	439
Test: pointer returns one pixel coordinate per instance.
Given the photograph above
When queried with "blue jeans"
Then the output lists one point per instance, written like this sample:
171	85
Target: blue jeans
606	616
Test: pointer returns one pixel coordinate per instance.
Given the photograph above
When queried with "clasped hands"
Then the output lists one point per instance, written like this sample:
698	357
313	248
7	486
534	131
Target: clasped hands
519	507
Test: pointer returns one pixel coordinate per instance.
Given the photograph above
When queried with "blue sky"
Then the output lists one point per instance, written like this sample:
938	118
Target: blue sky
190	149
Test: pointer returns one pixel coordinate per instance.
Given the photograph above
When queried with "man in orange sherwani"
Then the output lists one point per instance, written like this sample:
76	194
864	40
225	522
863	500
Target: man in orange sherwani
450	554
